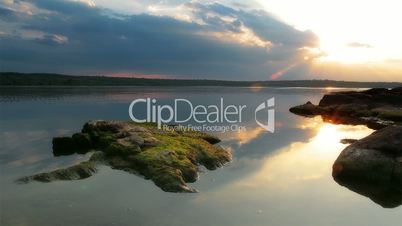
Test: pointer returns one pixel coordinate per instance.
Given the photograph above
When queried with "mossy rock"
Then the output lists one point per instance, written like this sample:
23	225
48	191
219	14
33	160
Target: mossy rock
63	146
79	143
171	159
77	172
82	142
121	150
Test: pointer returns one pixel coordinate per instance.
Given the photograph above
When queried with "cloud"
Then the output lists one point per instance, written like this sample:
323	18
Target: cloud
359	45
215	41
90	3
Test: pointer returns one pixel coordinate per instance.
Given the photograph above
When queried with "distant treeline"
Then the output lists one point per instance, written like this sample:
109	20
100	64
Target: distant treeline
42	79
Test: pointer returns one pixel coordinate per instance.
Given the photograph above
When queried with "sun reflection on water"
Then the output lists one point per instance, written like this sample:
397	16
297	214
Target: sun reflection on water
303	161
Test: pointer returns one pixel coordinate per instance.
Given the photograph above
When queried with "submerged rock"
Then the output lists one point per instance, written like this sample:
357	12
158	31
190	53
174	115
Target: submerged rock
372	166
80	171
376	108
169	158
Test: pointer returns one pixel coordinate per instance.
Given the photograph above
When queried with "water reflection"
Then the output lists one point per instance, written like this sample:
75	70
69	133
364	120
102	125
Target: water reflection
296	179
304	161
242	137
312	161
385	194
276	179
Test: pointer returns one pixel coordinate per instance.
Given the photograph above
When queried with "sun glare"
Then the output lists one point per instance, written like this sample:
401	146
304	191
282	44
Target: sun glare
356	31
303	161
331	134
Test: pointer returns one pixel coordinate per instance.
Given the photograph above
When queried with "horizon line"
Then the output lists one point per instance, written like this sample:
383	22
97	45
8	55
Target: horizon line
189	79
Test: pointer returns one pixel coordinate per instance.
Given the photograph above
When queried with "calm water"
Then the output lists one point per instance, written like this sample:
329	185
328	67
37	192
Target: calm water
275	179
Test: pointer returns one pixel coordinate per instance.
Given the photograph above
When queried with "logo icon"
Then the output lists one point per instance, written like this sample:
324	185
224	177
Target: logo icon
267	106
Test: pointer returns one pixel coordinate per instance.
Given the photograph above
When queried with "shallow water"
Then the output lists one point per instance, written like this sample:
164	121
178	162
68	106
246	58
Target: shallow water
281	178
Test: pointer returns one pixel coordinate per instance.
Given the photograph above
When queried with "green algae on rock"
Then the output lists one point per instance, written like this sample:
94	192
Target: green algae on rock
170	159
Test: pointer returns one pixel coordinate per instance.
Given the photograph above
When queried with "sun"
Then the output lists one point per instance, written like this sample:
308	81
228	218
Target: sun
342	50
342	54
350	32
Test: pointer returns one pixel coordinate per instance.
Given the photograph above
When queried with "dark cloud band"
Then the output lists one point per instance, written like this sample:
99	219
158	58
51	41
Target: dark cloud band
71	37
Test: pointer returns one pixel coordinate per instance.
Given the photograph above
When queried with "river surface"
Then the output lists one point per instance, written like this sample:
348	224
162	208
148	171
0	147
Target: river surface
275	179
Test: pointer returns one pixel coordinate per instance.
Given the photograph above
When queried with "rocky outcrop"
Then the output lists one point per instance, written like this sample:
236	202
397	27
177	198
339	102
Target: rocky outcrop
169	158
372	166
375	96
376	108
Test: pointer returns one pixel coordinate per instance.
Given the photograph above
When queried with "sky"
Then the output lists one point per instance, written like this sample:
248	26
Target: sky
358	40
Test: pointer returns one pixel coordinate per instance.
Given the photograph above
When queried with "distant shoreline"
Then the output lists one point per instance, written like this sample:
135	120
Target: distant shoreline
55	80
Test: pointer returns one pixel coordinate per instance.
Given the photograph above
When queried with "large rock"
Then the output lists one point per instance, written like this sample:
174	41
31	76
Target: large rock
376	96
372	166
376	108
169	158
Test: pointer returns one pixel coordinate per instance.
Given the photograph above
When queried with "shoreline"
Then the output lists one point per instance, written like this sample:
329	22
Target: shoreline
43	79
